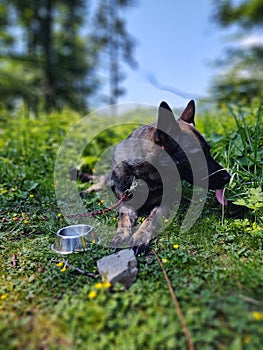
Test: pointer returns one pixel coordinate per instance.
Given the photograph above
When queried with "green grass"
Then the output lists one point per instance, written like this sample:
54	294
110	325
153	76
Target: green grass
216	270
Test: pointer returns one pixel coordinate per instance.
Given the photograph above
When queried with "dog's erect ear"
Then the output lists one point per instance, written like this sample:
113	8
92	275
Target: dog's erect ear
167	126
166	120
188	114
165	105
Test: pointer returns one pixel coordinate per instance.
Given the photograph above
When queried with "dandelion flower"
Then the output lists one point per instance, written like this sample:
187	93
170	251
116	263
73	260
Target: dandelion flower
106	285
176	246
92	294
3	297
247	339
59	215
258	316
59	264
99	285
63	269
164	260
103	285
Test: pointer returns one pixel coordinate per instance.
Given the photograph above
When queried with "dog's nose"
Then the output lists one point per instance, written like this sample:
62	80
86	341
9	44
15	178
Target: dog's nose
226	178
219	179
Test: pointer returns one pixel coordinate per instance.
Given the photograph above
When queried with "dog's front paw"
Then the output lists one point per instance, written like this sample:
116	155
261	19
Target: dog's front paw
144	249
140	242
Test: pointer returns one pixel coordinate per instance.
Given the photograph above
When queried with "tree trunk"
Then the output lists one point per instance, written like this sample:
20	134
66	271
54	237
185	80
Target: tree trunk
47	40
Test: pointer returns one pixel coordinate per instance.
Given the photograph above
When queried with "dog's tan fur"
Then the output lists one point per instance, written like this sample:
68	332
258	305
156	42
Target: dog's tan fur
172	146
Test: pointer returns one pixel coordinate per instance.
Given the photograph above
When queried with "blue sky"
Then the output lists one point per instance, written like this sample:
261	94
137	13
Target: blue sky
176	43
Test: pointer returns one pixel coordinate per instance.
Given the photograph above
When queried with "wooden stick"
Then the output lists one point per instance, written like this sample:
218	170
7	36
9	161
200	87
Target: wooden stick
176	304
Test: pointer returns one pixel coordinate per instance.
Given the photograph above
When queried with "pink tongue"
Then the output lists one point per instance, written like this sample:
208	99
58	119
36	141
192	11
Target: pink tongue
221	197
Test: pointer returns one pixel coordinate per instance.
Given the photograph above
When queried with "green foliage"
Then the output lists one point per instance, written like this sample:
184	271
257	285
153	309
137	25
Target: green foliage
247	13
51	51
50	66
238	145
253	199
246	145
243	80
215	268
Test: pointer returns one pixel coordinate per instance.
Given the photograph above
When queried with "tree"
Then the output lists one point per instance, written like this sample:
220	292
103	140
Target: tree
50	52
46	60
115	43
242	64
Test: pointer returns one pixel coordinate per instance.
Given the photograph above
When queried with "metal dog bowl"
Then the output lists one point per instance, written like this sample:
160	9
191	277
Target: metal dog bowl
74	238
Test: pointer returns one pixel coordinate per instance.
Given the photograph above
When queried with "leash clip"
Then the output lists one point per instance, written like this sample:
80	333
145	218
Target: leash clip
132	189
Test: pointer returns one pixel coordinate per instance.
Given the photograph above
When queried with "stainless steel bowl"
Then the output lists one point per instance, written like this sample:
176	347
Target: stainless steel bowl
74	238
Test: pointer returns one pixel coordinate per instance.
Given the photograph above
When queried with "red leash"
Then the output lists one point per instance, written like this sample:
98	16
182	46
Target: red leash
94	213
125	195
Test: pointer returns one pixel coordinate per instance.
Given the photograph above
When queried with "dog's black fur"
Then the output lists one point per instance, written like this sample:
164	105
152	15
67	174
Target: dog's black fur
157	157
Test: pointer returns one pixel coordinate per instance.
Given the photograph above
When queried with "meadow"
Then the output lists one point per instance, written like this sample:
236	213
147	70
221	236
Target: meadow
215	268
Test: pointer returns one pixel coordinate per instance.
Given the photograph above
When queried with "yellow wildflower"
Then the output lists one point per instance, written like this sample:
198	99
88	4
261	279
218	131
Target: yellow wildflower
176	246
103	285
164	260
165	220
59	264
106	285
63	269
31	196
4	190
258	316
26	221
92	294
247	339
59	215
99	285
3	297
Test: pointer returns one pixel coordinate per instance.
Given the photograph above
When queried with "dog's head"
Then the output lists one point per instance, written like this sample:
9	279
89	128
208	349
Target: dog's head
189	149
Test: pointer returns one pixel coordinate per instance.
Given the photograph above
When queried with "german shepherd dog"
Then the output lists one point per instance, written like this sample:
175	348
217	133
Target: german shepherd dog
155	158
